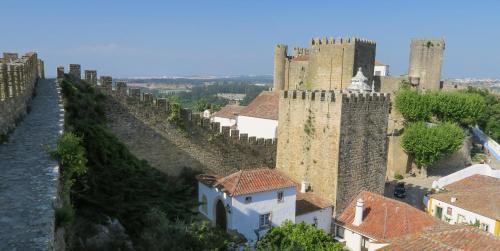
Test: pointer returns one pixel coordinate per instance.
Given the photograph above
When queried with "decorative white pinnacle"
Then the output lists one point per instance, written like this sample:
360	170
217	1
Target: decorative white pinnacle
359	82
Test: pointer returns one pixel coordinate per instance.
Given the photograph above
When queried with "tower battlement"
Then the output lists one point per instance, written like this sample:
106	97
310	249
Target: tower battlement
297	52
340	41
334	95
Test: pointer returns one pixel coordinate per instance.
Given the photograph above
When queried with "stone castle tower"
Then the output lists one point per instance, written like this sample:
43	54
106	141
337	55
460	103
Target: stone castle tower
329	64
335	140
426	60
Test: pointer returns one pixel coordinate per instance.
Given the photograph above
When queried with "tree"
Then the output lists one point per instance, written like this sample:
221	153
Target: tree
413	105
458	107
427	144
202	105
300	236
488	122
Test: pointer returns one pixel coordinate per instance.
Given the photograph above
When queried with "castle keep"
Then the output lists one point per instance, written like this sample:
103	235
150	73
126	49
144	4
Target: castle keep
426	60
328	64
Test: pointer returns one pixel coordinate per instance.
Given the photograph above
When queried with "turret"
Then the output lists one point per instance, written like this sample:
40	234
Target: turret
280	55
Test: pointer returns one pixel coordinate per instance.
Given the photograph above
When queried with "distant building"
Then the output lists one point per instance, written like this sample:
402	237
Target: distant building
381	69
250	202
371	221
233	98
474	200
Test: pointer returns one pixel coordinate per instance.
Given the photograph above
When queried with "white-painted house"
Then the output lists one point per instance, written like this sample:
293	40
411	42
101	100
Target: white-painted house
249	202
380	69
372	221
260	117
472	200
228	115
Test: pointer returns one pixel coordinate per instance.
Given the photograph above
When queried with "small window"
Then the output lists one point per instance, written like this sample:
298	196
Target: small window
461	219
339	232
315	222
265	220
281	198
448	211
248	199
485	227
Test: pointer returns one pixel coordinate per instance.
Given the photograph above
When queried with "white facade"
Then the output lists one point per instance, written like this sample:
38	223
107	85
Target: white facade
482	169
322	219
355	241
456	215
244	216
224	121
381	70
258	127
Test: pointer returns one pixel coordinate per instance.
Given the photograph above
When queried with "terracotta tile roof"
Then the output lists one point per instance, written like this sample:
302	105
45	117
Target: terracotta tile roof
378	63
207	179
309	202
385	218
447	237
229	111
263	106
254	181
478	193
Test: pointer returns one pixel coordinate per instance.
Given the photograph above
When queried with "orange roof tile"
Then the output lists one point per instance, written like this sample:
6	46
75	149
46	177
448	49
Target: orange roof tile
229	111
254	181
446	237
263	106
309	202
385	218
379	63
478	193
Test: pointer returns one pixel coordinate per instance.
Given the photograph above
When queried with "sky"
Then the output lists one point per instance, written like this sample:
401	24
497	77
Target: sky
125	38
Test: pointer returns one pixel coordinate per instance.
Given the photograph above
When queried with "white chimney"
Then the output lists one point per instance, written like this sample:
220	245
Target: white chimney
358	215
453	199
304	186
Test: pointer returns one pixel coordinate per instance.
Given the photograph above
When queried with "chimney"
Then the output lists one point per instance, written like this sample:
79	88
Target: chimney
358	216
453	199
304	186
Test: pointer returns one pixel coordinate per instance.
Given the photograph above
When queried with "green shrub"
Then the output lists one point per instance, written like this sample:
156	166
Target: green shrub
413	105
398	176
300	236
64	215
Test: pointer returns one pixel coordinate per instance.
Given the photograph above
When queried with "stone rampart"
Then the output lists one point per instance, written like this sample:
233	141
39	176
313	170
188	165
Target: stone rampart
158	109
18	77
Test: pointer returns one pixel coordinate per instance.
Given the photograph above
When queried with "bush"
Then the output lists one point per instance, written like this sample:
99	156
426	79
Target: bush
428	144
64	215
398	176
300	236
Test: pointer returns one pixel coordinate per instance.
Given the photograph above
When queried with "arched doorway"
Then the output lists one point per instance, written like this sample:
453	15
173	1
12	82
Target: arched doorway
220	215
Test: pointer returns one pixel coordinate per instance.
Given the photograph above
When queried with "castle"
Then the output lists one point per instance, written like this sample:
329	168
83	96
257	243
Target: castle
332	126
328	64
18	76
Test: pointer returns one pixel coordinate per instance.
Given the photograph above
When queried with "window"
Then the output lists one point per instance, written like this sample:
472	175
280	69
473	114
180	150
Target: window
378	73
281	198
448	211
460	219
364	243
248	199
339	232
204	204
265	220
315	220
485	227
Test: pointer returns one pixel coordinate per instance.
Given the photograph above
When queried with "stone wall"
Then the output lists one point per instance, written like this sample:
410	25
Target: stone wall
328	64
335	140
75	71
91	77
426	60
207	147
18	77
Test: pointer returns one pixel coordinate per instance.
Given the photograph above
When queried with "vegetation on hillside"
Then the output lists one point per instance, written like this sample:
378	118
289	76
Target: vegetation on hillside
116	184
300	236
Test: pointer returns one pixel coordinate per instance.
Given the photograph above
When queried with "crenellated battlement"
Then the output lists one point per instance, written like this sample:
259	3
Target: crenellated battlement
334	95
340	41
297	52
439	42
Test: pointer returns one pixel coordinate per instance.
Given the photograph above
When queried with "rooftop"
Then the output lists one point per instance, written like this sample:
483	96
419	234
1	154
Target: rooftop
264	106
378	63
229	111
446	237
385	218
309	202
477	193
253	181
